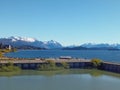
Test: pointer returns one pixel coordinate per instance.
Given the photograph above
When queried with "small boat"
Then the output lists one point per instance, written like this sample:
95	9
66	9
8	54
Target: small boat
65	57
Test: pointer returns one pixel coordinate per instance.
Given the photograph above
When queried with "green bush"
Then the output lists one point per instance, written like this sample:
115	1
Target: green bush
9	68
51	65
65	65
48	65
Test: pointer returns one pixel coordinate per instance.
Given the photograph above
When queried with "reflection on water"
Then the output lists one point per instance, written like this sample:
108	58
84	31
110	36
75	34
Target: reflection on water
91	72
60	80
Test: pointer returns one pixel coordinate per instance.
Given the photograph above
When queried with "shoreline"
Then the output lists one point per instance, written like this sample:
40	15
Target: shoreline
109	56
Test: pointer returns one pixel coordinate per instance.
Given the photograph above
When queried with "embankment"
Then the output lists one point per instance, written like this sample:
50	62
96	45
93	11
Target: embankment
73	64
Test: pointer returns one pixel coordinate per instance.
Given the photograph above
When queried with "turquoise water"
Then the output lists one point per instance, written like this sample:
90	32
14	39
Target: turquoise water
66	80
106	55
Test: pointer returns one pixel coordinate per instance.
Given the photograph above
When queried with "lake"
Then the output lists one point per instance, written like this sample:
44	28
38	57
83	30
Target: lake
106	55
60	80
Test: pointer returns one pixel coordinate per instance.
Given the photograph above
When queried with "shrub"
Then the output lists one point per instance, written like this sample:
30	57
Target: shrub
51	65
9	68
65	65
96	62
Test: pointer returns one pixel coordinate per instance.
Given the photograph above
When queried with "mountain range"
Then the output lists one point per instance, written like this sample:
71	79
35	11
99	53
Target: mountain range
90	46
32	43
21	42
101	45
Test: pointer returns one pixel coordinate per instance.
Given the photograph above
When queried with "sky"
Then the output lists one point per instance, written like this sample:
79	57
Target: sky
70	22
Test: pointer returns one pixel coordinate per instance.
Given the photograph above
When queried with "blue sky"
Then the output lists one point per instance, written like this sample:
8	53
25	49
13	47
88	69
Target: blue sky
66	21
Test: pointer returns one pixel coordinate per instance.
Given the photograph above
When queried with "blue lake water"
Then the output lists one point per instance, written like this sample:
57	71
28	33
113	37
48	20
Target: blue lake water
106	55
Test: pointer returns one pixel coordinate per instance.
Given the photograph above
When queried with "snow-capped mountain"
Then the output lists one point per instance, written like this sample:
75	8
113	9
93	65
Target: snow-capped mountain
29	42
24	41
52	44
102	45
91	46
14	39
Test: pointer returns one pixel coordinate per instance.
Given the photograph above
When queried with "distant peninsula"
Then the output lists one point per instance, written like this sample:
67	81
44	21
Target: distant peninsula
91	48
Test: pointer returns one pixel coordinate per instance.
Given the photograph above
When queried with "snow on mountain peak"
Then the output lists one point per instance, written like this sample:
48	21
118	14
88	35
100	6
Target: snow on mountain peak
28	39
90	45
50	42
22	39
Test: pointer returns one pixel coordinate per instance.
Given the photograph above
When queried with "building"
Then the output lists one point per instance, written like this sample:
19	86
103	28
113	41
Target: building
9	47
5	46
